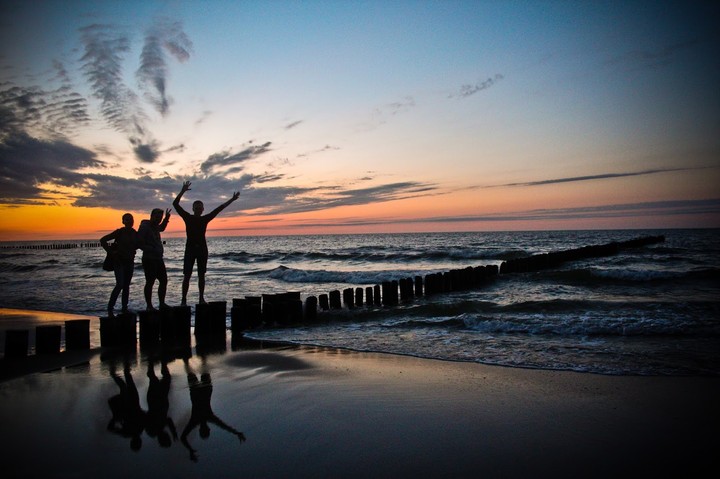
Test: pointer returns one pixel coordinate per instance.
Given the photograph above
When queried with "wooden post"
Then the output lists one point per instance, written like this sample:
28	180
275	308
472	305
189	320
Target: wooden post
324	302
335	299
16	343
349	297
149	328
311	304
47	339
77	334
369	295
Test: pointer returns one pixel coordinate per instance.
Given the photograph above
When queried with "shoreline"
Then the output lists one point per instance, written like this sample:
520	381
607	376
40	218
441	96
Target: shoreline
313	411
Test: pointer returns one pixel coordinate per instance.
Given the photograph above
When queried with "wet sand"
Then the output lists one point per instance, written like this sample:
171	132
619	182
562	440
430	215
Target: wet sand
321	412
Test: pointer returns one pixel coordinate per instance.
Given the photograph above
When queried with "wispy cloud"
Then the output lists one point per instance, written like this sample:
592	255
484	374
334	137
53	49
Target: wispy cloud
104	50
470	89
602	176
162	38
223	160
629	210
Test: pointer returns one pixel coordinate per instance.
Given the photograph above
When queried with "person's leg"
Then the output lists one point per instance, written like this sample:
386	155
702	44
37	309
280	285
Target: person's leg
162	280
119	280
188	261
202	268
150	276
128	274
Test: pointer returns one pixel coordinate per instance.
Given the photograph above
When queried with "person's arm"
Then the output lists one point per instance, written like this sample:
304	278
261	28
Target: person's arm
221	424
217	210
165	222
176	202
110	236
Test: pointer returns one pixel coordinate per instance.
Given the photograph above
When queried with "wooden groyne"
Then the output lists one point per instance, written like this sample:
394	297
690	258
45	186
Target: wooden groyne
287	308
173	325
51	245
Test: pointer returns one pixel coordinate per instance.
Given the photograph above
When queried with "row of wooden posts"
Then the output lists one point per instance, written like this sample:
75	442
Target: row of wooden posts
52	246
173	325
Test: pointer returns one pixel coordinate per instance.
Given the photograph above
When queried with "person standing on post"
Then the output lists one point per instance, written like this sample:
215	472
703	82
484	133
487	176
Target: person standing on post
152	259
123	260
196	245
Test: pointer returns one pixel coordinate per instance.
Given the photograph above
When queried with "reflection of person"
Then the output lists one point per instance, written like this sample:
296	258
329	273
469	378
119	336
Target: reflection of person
128	418
152	259
202	413
123	260
157	418
196	245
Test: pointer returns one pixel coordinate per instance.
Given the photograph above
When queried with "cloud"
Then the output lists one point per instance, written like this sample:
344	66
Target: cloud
470	89
219	161
629	210
292	125
104	51
334	196
602	176
27	163
162	38
382	114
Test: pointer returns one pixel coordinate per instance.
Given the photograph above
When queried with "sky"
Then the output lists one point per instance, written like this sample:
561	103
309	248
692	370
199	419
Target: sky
359	116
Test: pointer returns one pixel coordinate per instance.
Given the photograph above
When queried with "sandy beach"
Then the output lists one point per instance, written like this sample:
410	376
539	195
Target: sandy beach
293	411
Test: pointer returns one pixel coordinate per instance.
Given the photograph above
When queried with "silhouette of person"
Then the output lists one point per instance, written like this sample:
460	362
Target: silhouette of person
128	418
202	413
152	259
196	248
126	242
157	419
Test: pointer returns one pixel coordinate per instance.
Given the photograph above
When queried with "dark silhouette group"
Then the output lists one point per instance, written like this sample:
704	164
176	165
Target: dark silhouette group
148	239
129	420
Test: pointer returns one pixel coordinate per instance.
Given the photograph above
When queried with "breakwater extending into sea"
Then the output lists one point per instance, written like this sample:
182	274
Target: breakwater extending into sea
639	310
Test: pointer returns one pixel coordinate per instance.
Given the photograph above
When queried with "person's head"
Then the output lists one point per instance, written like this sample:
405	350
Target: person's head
204	430
198	207
128	220
156	216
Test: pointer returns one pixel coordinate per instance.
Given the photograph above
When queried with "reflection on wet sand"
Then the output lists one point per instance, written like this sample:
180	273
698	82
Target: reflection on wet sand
159	405
129	419
202	413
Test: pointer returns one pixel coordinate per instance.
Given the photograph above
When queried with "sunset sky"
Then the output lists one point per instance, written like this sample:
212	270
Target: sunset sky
359	116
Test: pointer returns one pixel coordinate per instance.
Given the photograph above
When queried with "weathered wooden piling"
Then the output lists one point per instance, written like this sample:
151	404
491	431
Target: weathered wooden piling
47	339
359	297
77	334
335	299
390	293
246	313
16	343
369	295
377	296
311	305
324	302
282	308
418	286
210	318
349	297
149	328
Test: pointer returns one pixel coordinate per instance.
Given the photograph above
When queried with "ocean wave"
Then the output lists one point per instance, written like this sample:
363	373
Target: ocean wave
614	275
375	255
292	275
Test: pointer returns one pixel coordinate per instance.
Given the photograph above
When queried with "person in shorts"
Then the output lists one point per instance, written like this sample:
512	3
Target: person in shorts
196	249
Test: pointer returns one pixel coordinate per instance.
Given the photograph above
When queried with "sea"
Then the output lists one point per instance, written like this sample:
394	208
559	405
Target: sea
653	310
